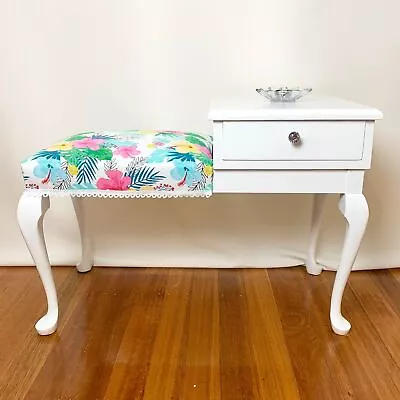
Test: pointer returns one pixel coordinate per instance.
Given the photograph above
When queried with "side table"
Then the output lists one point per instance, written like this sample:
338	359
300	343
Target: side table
317	145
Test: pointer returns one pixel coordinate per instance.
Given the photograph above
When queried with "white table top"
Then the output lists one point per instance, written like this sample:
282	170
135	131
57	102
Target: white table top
311	107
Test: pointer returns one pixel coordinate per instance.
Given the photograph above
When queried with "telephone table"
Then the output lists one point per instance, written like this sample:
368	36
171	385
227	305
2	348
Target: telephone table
317	145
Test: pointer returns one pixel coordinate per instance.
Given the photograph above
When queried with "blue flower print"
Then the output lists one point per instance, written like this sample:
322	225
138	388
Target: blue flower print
185	173
49	170
83	186
165	138
158	155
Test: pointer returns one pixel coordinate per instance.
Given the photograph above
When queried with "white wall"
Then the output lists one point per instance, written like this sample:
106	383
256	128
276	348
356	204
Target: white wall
80	65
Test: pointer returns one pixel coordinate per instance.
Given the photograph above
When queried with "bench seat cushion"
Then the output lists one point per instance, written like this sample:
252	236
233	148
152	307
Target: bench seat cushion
136	163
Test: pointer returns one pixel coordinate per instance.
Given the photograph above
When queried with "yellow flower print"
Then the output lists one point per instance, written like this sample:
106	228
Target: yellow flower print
61	146
208	170
146	188
73	169
186	147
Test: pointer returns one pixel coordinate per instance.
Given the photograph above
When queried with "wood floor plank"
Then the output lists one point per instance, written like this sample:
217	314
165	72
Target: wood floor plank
305	320
82	362
364	355
379	296
13	285
275	376
164	363
238	369
389	282
201	370
25	351
395	272
129	374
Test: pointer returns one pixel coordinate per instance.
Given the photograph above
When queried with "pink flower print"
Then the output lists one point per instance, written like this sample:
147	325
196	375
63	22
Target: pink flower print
126	151
88	143
116	181
205	151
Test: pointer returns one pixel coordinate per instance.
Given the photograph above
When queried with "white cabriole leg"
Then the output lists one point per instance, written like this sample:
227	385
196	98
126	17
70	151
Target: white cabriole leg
318	205
30	213
86	262
354	207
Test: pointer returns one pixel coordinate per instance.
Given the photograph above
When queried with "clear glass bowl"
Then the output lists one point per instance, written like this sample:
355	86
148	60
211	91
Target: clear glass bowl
283	94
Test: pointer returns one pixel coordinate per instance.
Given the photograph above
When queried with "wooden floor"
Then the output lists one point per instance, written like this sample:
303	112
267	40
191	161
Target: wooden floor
199	334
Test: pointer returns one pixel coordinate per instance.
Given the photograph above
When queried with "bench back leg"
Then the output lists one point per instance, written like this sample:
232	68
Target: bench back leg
86	261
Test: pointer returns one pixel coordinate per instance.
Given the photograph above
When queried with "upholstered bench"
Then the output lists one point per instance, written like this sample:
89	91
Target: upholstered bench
107	164
123	164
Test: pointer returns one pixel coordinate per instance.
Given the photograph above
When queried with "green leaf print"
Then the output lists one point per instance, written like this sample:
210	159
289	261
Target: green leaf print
168	134
145	176
49	154
196	135
204	159
100	154
195	140
74	156
175	155
87	169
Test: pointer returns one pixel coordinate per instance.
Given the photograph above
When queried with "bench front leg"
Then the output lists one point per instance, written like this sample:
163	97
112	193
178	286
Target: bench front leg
30	214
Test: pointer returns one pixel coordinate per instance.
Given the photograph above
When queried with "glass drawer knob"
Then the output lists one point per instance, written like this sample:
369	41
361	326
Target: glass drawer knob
294	137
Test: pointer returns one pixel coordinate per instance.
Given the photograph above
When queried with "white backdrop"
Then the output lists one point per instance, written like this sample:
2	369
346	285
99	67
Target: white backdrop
67	67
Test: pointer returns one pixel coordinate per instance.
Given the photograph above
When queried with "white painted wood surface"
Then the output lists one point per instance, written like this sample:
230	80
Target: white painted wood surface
86	262
312	266
287	181
266	141
354	208
30	214
282	160
253	154
313	107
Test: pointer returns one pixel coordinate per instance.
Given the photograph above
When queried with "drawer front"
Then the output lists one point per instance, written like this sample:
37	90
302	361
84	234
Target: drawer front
269	141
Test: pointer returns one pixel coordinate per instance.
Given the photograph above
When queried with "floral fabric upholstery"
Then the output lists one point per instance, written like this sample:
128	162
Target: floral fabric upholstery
179	163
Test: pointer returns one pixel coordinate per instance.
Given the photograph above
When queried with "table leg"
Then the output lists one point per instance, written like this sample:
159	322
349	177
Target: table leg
30	213
354	208
86	262
318	205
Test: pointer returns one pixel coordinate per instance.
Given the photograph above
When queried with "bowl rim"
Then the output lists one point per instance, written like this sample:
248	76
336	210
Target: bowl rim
285	89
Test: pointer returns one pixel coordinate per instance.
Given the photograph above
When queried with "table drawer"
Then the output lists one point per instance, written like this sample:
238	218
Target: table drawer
269	141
